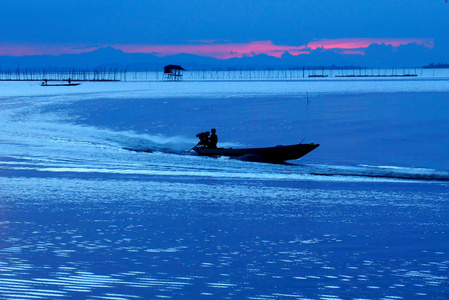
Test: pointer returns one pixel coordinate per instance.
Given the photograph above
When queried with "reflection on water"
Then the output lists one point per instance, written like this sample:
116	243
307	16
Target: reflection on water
364	216
142	238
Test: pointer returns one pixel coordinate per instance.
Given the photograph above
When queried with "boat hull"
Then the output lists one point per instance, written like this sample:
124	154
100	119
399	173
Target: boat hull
274	154
60	84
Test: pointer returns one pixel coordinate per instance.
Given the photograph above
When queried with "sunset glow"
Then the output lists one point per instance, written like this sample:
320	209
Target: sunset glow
216	50
353	46
232	50
365	43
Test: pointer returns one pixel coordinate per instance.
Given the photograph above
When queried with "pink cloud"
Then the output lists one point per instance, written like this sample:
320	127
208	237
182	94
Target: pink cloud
230	50
220	50
217	50
357	43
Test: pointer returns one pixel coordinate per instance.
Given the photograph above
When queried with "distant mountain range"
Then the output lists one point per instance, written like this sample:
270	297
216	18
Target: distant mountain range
112	58
377	56
437	66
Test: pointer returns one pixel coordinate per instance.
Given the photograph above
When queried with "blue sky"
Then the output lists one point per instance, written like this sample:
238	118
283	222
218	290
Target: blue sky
54	27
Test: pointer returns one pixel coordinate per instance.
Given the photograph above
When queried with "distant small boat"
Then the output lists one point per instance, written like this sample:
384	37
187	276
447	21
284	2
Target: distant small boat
365	76
314	76
59	84
272	154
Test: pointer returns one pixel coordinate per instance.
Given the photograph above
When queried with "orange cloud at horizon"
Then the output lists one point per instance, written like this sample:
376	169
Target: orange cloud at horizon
353	46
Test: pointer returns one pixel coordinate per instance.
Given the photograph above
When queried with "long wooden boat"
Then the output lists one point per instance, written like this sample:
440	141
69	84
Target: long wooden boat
274	154
60	84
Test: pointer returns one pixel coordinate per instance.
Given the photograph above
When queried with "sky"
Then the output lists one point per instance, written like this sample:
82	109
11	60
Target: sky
222	28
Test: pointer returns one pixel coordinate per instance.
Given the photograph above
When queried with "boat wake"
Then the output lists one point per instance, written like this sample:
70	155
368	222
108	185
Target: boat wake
261	168
156	149
45	143
381	173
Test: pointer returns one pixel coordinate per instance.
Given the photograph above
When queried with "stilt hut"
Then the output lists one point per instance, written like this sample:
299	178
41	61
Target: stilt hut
173	72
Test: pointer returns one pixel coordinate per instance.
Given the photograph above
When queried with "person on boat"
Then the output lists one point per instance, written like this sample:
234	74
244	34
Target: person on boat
204	138
70	80
213	139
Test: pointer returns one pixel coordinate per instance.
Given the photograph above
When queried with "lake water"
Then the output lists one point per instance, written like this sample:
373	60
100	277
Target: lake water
364	216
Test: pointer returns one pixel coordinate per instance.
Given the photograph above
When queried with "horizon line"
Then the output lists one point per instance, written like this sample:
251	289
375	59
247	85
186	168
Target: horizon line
220	50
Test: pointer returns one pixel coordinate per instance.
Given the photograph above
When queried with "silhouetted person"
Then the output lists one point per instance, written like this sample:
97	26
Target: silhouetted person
204	138
213	139
70	80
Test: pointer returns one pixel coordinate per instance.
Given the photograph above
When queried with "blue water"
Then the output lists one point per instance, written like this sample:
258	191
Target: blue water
364	216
